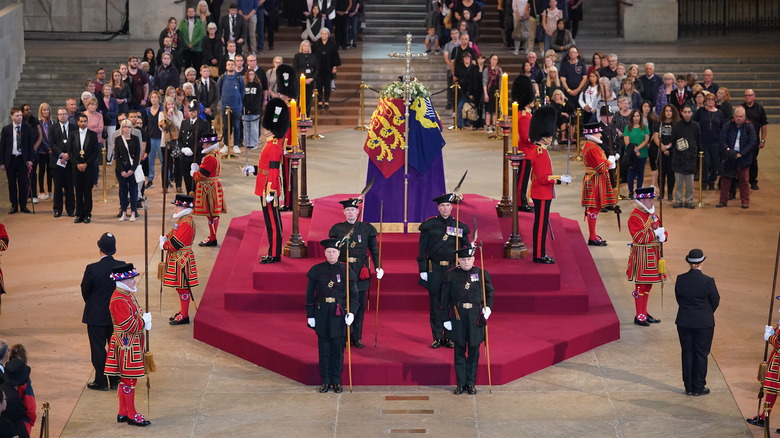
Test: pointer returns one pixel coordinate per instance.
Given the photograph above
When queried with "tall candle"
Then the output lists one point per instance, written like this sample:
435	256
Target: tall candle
515	134
294	124
504	95
302	100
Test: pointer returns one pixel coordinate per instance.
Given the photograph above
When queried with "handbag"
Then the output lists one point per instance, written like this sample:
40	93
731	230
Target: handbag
520	33
175	148
139	174
469	111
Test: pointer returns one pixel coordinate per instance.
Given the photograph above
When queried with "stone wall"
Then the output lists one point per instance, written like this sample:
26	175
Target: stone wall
149	17
74	15
11	55
650	21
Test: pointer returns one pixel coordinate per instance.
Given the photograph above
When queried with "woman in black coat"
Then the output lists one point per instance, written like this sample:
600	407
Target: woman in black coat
305	63
327	62
128	153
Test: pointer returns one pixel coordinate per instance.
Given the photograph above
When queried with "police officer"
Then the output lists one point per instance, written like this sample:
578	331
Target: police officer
438	236
361	238
326	312
461	292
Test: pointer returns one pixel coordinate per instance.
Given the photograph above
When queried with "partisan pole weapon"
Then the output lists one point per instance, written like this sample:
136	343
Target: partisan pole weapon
458	197
379	281
484	303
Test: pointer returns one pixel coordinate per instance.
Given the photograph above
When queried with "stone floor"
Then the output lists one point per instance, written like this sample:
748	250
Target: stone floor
628	388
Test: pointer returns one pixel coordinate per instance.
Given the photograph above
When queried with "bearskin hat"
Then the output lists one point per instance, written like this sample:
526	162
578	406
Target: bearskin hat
286	81
523	91
542	123
276	117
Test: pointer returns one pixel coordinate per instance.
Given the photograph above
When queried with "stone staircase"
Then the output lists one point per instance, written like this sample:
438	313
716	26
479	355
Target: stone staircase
389	22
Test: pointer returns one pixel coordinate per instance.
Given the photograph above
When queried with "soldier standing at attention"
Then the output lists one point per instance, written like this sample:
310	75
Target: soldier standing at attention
180	269
361	238
461	292
438	236
326	312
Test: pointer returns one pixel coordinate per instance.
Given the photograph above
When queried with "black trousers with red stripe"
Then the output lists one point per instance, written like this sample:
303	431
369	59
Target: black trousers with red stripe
541	222
523	178
273	227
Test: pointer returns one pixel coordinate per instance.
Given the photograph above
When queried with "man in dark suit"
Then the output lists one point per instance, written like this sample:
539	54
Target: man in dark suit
4	352
698	299
233	28
16	157
190	133
96	289
63	175
680	95
207	93
83	151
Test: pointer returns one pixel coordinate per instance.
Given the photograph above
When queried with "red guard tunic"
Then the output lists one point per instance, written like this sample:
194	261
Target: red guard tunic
645	251
126	347
772	377
209	196
3	247
596	186
542	185
269	178
180	268
524	145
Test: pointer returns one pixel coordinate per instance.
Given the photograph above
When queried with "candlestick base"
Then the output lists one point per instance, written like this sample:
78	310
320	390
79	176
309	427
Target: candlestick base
504	208
515	248
305	207
295	247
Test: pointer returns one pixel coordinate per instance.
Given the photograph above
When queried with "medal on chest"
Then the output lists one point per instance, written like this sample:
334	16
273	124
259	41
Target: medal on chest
330	284
454	231
353	244
467	286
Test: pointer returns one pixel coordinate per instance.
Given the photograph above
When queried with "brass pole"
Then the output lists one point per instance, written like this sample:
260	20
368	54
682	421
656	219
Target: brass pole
495	124
701	178
314	107
45	419
105	177
578	114
361	124
454	127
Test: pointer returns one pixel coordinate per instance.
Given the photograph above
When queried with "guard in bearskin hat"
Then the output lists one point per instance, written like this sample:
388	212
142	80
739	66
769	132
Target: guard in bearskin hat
523	94
597	190
209	196
361	238
645	259
541	132
181	272
268	185
126	348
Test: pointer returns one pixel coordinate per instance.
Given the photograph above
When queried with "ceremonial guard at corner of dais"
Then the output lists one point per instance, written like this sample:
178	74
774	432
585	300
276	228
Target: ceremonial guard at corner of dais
597	192
361	238
461	293
770	384
644	262
326	312
440	236
268	185
181	272
209	196
523	94
543	181
126	349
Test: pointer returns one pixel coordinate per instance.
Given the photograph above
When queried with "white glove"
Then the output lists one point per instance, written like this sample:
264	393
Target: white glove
163	239
617	157
147	317
192	172
424	276
349	318
310	322
448	325
269	198
187	151
380	273
660	234
486	311
246	170
566	179
194	167
611	160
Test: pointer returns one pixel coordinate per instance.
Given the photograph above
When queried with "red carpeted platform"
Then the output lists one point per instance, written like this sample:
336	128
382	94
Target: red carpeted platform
542	315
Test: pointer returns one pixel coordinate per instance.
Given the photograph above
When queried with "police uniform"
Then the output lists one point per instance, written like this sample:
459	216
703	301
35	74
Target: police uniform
543	180
126	348
181	272
276	119
436	256
597	190
361	242
461	293
645	257
523	94
326	306
209	195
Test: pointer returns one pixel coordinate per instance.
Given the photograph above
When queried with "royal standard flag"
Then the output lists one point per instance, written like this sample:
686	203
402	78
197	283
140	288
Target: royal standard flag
425	139
385	142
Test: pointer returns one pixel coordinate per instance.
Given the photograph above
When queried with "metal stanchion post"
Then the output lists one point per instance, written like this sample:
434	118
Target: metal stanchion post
315	109
578	157
496	135
45	420
361	124
230	141
701	180
105	179
454	127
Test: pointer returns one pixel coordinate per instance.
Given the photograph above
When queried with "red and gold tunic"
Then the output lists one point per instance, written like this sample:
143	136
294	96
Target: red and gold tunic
269	177
126	348
180	268
772	376
596	186
209	196
524	145
542	179
645	249
3	247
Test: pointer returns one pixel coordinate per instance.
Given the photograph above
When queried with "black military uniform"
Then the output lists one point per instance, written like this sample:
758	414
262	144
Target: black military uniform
190	135
361	241
326	306
461	293
436	256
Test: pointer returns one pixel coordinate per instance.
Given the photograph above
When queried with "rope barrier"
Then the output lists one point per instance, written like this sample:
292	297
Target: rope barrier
348	98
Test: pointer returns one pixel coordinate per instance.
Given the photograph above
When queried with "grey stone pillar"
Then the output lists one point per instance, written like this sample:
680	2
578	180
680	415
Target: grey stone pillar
149	17
11	55
650	21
